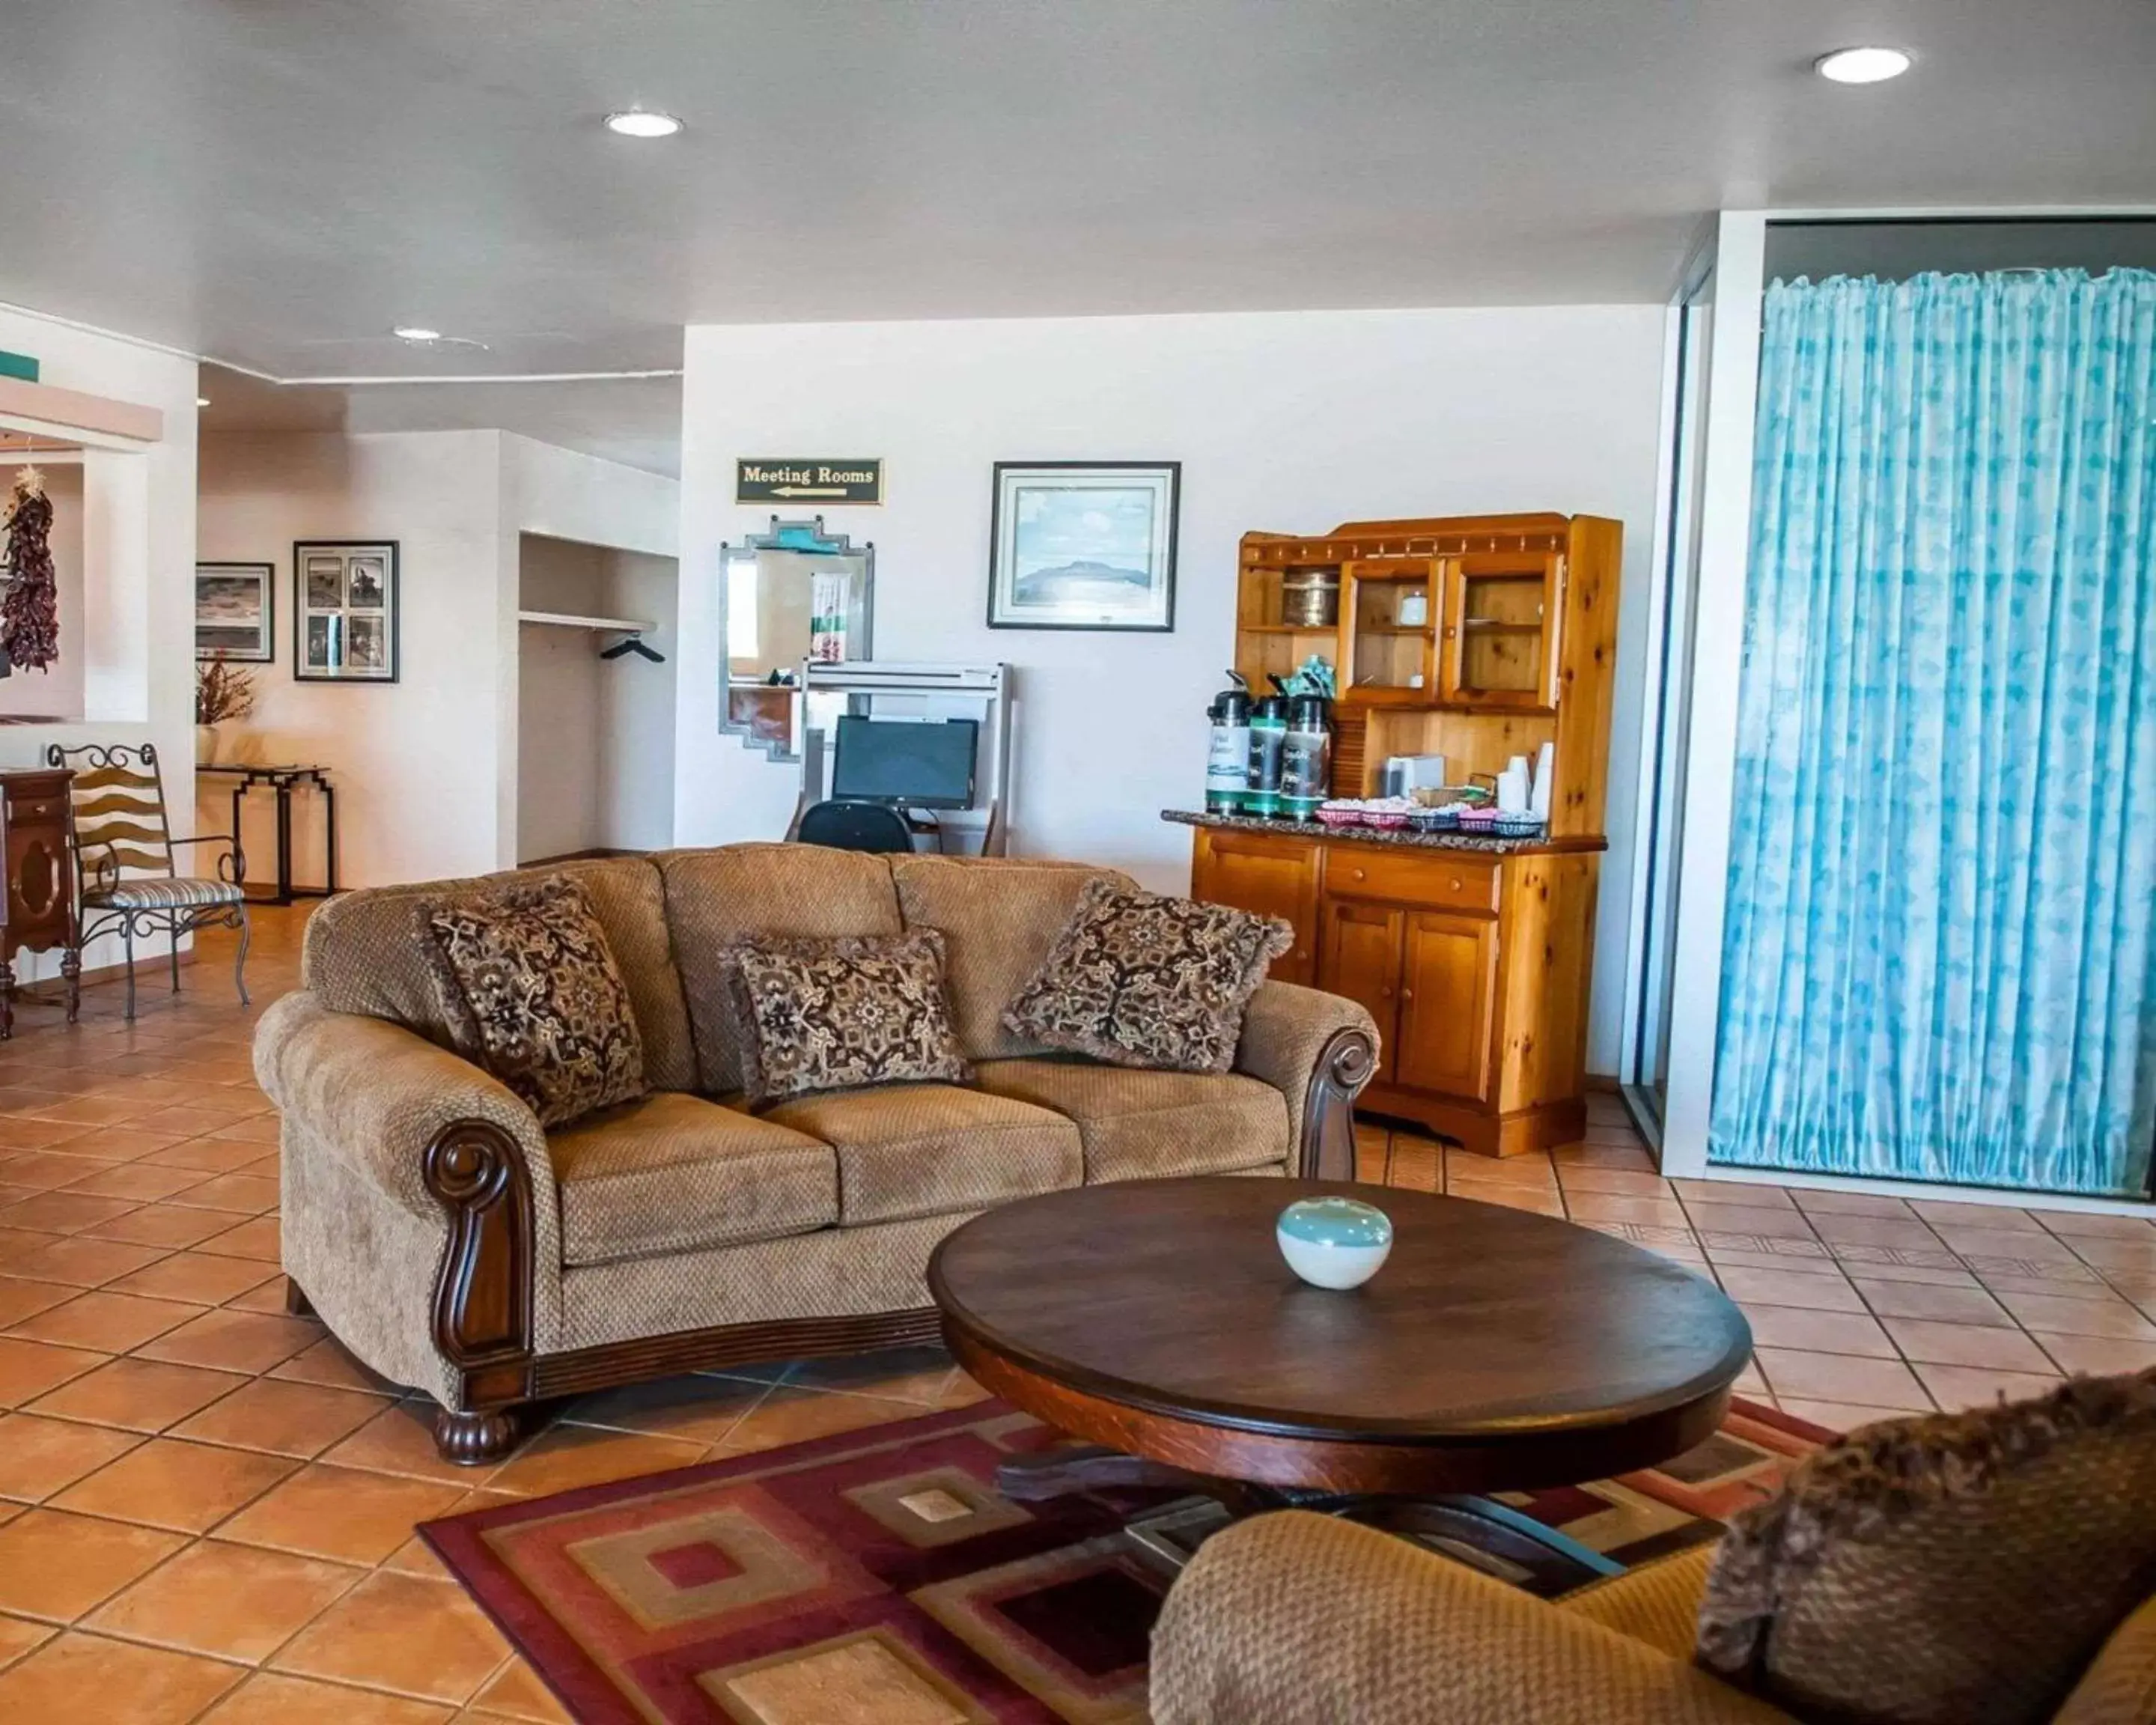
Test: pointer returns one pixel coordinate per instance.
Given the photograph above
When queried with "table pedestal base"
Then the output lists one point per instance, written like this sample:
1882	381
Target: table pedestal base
1481	1531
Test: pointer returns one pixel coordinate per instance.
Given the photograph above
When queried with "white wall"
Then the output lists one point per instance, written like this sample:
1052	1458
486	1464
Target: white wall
426	768
135	626
559	703
1293	422
413	762
636	809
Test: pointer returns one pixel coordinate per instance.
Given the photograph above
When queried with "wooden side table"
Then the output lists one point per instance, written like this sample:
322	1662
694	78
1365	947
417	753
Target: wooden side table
37	911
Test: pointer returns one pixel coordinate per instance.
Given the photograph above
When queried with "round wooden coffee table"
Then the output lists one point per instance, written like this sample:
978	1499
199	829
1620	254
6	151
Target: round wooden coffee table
1496	1350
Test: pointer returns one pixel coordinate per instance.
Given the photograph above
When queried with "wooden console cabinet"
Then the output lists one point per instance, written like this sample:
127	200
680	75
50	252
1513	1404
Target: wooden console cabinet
1474	964
37	908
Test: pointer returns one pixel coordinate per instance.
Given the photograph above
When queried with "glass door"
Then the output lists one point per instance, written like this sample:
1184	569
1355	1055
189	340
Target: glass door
1388	634
1663	758
1501	623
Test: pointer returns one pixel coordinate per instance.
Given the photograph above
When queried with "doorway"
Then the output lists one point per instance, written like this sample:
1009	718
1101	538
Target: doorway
594	732
1662	767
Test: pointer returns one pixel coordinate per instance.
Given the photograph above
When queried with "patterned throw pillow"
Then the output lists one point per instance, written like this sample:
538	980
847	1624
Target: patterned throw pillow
530	992
835	1015
1946	1569
1141	980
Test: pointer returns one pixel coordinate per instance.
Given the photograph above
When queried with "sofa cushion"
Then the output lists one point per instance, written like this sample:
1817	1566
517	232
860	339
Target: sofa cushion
1657	1601
1949	1570
717	899
816	1016
364	953
532	994
998	917
674	1173
1144	980
1137	1125
831	1272
930	1149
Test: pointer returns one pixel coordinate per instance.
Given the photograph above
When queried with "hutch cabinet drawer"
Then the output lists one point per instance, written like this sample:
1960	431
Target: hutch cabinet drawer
1466	883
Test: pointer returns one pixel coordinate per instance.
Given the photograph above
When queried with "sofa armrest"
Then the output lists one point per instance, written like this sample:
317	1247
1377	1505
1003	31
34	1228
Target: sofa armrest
1318	1050
2119	1686
1296	1618
381	1096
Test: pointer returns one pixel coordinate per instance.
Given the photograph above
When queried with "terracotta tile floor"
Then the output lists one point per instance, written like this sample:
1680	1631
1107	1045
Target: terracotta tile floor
207	1507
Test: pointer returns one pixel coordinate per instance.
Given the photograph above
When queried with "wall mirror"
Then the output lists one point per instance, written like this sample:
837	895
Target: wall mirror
794	594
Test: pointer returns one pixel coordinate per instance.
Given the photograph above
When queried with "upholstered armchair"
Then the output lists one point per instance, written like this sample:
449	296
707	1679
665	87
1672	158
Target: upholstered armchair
1992	1567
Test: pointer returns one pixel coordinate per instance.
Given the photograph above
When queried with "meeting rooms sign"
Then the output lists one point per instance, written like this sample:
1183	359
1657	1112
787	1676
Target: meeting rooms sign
795	479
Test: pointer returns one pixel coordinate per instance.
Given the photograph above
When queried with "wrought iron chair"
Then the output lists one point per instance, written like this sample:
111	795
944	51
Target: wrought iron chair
125	881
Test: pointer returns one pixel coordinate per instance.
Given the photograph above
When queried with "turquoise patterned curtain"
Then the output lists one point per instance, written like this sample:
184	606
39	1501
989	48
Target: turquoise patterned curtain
1937	962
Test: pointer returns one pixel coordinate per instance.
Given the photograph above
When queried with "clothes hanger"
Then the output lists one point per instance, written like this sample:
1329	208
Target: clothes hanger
634	643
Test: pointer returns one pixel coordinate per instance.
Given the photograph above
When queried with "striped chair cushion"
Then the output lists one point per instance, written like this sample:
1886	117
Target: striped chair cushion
162	895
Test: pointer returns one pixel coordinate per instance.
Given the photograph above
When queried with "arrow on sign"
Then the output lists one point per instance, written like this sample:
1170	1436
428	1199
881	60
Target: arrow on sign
808	490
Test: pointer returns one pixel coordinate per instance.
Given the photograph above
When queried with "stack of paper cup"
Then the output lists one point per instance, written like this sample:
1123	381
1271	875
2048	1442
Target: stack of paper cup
1512	787
1539	800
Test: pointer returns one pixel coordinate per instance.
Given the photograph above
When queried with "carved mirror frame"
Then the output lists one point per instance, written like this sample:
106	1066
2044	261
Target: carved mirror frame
811	538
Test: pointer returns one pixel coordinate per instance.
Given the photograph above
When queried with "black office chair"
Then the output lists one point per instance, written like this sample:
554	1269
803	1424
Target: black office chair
855	826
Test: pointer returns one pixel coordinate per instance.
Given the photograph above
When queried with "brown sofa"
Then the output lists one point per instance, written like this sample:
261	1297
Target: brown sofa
456	1247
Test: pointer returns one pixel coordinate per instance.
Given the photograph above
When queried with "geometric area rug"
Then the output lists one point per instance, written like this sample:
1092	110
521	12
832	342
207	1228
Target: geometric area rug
876	1577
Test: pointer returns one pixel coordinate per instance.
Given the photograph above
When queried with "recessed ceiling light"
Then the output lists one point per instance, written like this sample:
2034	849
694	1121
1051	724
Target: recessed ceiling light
415	333
1861	65
641	123
202	401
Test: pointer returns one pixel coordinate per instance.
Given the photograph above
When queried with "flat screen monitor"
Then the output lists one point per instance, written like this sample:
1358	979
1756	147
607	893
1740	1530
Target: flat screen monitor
909	763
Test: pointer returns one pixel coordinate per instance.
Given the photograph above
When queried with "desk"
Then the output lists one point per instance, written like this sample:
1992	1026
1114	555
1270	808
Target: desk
281	780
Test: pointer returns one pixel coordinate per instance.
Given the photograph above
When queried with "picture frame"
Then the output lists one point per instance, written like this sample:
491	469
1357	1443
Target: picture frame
236	612
1084	544
345	611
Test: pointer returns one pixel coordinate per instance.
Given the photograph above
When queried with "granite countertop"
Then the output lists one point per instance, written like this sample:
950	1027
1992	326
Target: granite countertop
1405	837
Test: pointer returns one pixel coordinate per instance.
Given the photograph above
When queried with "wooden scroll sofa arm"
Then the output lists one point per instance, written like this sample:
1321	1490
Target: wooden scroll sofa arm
452	1145
1296	1618
1318	1050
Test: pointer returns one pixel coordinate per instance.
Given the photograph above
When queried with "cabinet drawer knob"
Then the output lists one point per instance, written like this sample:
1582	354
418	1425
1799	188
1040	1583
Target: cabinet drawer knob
1385	991
1407	993
1456	883
1360	875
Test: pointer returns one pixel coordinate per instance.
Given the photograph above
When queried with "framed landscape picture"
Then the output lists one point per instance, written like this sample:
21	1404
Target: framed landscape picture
344	611
1084	544
235	604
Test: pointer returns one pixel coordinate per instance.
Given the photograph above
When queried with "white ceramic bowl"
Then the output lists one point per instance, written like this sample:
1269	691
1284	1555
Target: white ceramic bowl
1334	1242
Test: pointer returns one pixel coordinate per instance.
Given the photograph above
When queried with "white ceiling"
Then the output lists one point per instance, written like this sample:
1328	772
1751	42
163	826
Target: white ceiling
636	421
278	182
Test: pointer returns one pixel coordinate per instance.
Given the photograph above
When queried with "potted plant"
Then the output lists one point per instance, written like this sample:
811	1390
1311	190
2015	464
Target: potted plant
222	690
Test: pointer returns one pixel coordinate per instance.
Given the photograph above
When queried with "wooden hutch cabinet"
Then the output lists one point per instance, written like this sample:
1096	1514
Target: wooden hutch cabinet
1473	955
